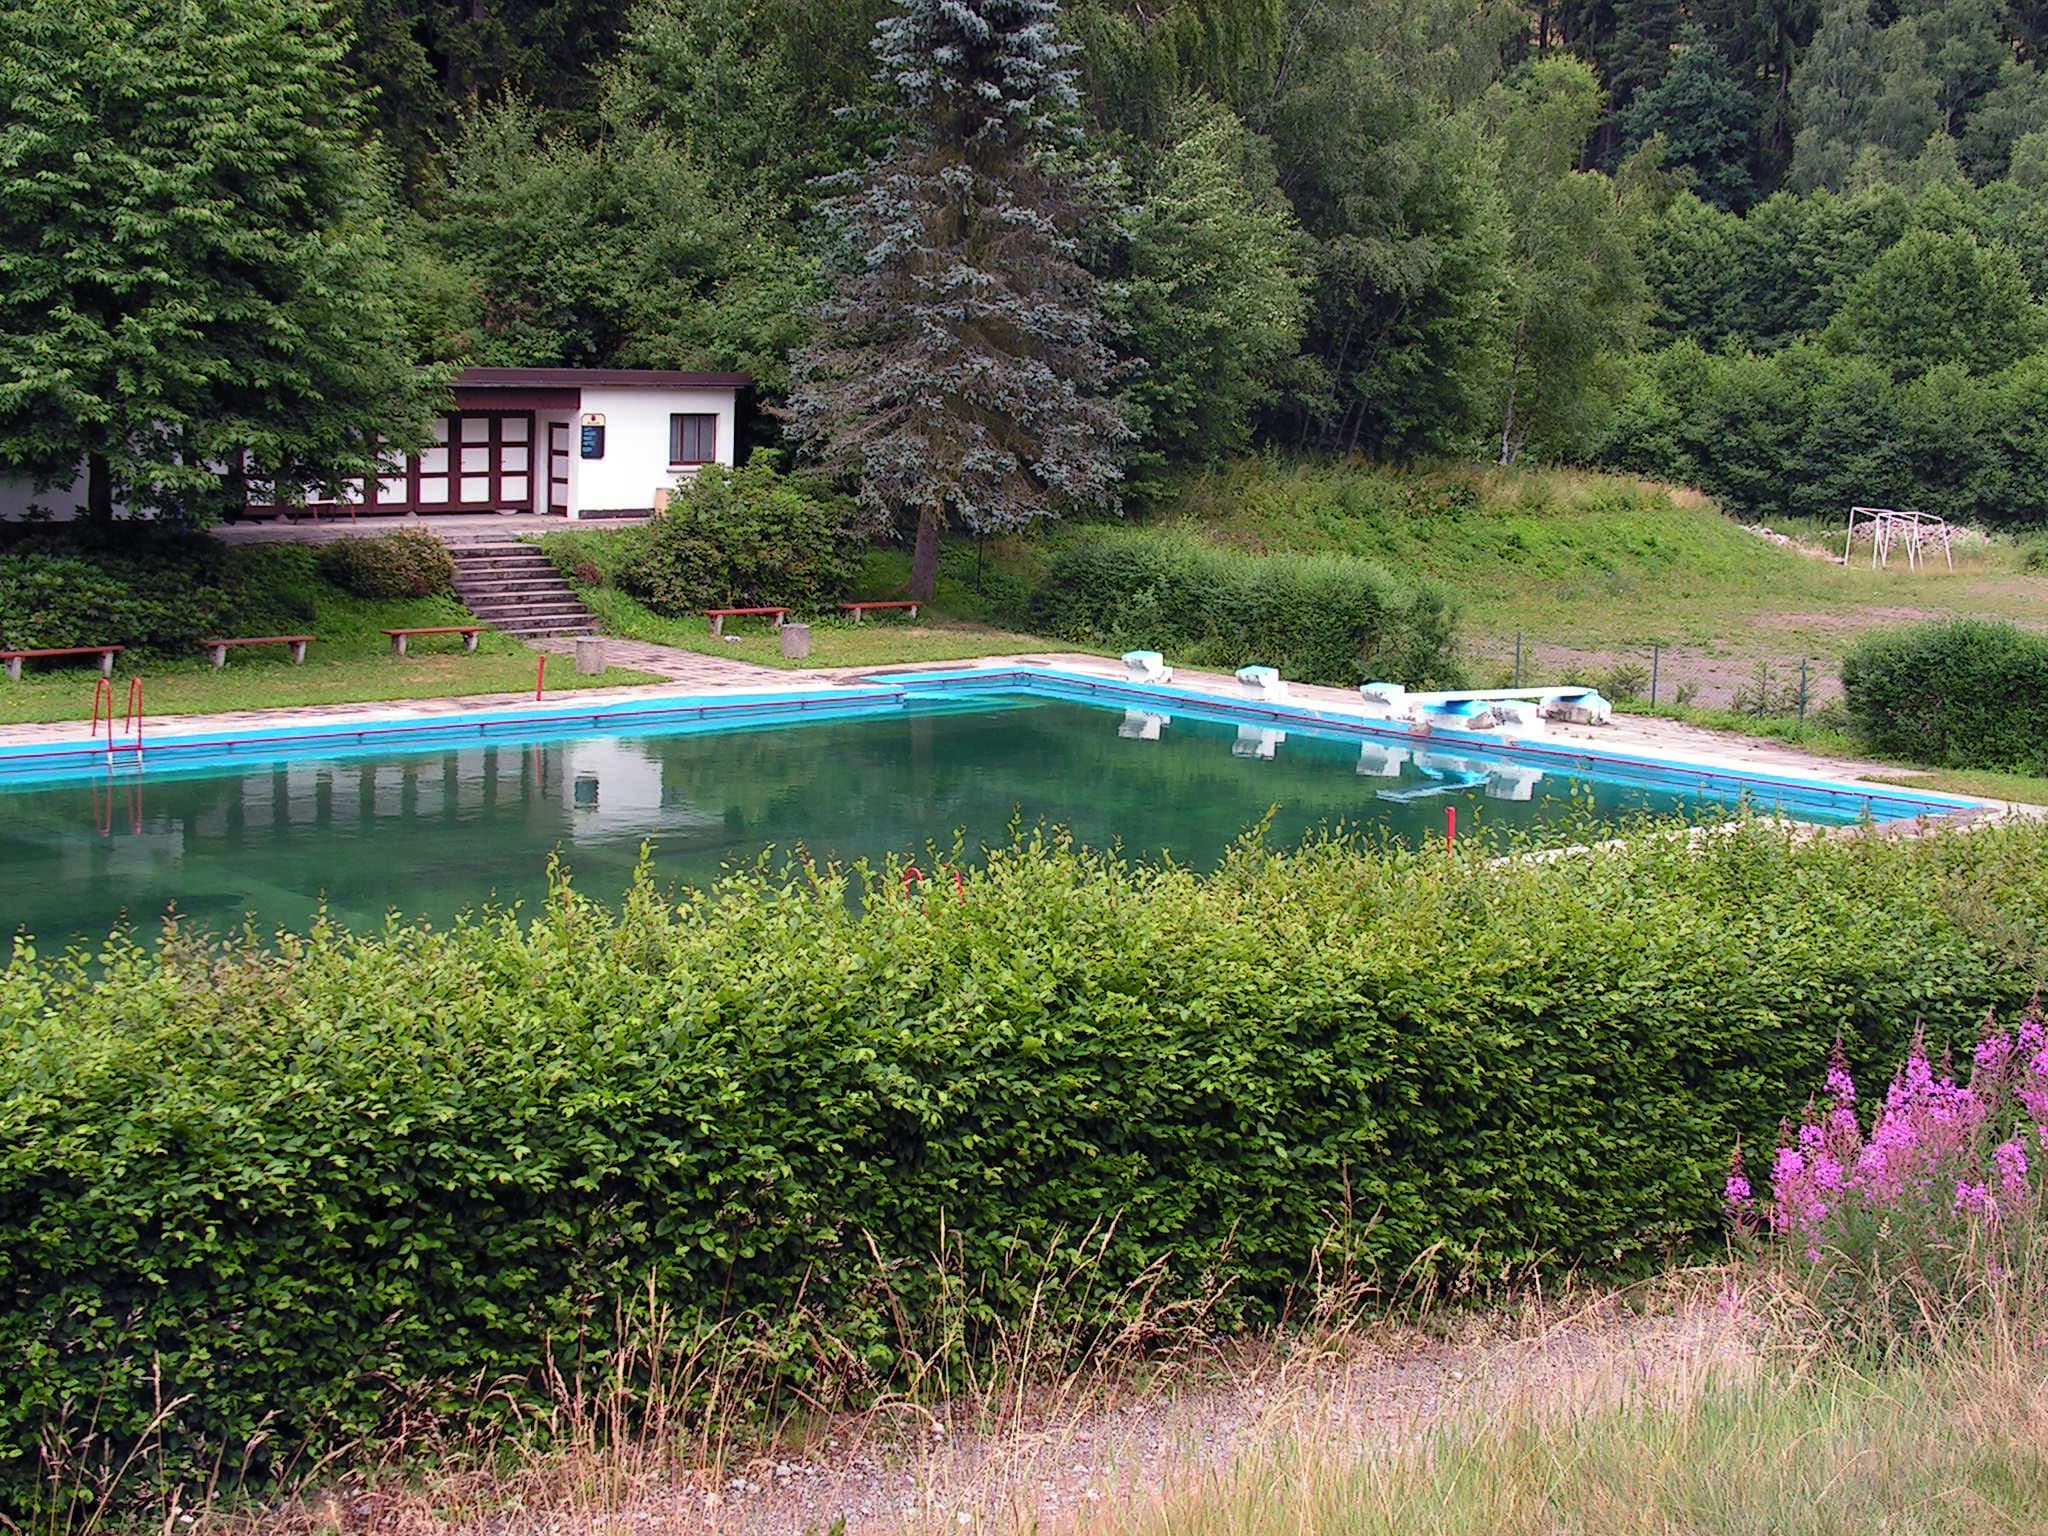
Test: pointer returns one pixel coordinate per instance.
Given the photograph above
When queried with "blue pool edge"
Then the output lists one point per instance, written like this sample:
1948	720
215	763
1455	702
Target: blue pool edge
885	692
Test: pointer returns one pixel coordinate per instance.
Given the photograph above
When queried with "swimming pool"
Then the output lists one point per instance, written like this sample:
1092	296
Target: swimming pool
428	816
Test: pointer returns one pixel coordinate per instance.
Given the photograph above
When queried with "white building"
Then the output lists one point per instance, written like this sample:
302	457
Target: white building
573	442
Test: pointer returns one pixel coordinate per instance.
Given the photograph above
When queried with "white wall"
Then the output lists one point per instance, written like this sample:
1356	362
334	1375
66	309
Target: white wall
635	463
17	496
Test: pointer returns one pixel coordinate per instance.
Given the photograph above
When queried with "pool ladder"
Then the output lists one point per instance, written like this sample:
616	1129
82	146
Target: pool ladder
131	723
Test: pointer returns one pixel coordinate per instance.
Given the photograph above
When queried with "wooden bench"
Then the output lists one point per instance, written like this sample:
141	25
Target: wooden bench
106	654
467	631
857	609
217	650
718	616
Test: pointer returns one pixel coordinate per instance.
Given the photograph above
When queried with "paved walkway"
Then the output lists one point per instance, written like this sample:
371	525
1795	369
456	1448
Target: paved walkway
693	667
455	527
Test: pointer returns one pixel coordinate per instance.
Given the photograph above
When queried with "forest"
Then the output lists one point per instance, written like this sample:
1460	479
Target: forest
1794	252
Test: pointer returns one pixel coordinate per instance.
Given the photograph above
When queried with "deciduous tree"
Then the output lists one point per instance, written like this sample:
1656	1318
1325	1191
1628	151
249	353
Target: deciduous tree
194	262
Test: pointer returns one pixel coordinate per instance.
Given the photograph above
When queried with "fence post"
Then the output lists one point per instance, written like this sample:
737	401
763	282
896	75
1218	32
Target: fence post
1518	658
1656	656
1802	687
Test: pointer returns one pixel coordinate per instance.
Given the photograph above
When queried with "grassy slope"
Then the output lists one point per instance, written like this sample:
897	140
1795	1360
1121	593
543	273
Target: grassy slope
1590	561
349	661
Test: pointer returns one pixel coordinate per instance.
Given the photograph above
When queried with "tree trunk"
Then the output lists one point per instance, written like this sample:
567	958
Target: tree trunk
924	556
99	488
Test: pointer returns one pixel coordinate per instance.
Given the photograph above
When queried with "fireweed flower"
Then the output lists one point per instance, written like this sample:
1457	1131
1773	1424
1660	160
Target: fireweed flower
2010	1159
1931	1142
1736	1193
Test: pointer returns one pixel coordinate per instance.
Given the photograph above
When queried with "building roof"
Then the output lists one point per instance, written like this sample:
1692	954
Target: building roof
617	378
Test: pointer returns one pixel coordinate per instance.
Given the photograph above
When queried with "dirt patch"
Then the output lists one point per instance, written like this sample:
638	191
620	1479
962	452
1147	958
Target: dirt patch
1681	674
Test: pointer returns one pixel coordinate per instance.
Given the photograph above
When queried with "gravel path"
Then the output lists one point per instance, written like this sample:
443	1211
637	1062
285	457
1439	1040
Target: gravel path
1061	1455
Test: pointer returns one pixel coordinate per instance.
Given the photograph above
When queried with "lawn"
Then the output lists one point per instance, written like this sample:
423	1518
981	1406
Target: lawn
348	662
955	627
1596	562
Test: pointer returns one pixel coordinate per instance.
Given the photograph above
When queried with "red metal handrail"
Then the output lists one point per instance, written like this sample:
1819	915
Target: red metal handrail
102	688
133	722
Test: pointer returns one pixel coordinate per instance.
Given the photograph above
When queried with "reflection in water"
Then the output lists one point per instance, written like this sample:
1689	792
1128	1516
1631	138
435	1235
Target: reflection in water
431	833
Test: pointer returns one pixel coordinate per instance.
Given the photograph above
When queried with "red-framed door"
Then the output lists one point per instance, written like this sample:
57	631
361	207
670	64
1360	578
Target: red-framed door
558	467
480	461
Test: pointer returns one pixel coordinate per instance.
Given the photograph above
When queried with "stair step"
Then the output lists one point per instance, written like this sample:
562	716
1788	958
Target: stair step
515	589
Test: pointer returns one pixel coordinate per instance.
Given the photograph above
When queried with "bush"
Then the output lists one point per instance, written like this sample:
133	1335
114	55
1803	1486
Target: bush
309	1186
154	592
1959	694
743	538
1320	619
407	563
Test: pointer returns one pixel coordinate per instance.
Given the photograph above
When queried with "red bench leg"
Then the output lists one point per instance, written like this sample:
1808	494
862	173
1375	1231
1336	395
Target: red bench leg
14	668
218	655
398	645
718	624
106	663
298	653
469	640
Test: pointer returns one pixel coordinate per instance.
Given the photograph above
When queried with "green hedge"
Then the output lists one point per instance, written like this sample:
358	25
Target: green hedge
1318	618
151	591
305	1185
407	563
1960	694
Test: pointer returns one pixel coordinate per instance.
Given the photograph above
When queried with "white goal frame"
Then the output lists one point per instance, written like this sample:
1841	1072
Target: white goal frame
1918	533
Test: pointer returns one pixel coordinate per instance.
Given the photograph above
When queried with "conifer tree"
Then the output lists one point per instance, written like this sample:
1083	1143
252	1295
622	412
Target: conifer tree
961	372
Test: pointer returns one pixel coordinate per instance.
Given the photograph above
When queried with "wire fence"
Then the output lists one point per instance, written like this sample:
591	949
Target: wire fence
1743	682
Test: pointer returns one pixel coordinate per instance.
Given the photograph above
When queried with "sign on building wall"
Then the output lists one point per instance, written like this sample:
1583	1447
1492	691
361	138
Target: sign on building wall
593	434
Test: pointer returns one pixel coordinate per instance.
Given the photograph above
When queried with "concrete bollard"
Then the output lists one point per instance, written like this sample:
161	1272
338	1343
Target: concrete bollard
796	641
589	656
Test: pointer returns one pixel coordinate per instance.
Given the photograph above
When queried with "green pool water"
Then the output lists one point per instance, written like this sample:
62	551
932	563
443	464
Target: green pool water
430	833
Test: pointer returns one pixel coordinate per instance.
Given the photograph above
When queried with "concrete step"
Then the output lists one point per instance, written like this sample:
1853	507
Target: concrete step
500	563
527	609
523	587
517	616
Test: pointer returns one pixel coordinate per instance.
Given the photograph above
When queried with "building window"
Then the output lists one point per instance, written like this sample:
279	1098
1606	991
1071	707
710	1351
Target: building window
693	439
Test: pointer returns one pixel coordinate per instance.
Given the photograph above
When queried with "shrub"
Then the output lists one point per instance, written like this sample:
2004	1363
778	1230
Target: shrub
1320	619
154	592
1625	681
306	1186
1959	694
407	563
743	538
1937	1217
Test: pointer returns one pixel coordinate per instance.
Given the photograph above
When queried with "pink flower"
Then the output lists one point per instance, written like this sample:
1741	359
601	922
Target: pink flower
1841	1087
1973	1199
2010	1159
1736	1192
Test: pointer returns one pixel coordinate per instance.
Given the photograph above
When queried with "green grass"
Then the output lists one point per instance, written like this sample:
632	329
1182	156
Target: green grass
1588	560
348	662
2019	788
952	628
1935	1450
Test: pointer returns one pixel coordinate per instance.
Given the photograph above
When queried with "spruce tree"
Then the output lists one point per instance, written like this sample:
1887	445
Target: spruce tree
961	372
